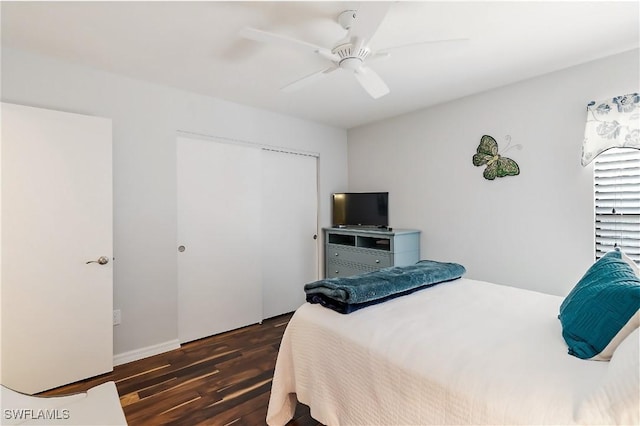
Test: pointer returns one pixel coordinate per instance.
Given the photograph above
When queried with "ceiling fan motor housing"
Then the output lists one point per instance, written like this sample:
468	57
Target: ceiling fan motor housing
350	58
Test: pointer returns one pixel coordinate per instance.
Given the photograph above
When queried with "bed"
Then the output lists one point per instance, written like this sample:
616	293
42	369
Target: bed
461	352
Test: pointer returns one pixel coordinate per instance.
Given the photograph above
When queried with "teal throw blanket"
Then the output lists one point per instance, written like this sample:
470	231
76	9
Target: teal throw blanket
384	282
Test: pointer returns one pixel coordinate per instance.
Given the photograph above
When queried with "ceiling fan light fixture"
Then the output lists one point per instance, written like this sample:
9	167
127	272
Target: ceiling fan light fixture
351	63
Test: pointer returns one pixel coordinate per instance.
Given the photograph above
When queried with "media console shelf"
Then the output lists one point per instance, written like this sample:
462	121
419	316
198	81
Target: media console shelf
352	251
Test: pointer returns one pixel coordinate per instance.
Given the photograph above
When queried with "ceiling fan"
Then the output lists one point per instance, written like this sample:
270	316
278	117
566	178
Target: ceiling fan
352	53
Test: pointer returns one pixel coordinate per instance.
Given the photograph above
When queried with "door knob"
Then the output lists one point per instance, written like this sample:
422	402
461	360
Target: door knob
102	260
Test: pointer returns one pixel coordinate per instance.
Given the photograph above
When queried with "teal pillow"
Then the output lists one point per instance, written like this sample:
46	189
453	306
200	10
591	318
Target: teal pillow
602	309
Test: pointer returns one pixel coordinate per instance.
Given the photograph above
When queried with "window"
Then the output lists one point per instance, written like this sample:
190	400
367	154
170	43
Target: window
617	201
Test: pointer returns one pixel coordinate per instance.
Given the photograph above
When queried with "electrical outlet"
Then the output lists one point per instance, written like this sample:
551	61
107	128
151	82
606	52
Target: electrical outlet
117	317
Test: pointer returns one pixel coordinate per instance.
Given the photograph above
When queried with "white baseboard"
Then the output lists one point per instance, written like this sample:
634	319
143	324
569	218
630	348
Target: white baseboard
152	350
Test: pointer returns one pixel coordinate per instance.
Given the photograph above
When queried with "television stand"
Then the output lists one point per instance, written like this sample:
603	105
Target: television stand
356	250
364	227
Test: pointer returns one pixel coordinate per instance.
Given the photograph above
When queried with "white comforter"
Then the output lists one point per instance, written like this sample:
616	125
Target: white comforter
463	352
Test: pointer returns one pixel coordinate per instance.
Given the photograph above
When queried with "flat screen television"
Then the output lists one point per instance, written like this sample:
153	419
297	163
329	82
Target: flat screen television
370	209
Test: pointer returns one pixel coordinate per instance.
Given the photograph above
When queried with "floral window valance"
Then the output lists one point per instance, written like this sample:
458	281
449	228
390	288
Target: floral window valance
612	123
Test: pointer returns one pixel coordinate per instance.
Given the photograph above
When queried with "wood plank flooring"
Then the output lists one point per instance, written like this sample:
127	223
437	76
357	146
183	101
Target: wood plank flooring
220	380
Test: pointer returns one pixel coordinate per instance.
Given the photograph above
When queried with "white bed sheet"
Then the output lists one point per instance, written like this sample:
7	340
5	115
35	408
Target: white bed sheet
463	352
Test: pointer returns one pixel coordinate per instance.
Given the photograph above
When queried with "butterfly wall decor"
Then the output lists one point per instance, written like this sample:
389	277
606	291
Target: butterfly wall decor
497	165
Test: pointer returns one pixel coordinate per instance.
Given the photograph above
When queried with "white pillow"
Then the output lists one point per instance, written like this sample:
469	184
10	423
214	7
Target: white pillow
616	400
630	262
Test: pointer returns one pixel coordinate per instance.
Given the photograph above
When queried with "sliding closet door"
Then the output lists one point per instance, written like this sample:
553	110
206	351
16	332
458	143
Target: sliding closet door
289	215
219	237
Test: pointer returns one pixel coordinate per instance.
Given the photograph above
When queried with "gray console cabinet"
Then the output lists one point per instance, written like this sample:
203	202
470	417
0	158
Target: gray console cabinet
352	251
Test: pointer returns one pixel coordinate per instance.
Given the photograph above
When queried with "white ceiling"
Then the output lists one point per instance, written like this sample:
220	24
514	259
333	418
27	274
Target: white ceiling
196	46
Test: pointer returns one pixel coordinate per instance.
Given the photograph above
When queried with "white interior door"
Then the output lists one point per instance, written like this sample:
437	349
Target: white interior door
56	216
219	226
290	245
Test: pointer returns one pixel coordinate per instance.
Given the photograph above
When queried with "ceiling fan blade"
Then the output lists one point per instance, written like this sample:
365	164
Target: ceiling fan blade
282	40
376	56
311	78
369	16
371	82
419	43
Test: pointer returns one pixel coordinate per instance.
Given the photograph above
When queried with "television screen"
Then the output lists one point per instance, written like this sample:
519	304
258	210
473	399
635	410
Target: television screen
361	209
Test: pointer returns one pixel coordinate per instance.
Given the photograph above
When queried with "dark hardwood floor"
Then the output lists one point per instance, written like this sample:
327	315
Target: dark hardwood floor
220	380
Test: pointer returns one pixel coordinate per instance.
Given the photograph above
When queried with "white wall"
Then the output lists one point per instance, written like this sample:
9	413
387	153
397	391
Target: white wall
145	120
534	230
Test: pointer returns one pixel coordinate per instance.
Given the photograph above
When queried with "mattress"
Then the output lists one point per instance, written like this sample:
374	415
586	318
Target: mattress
463	352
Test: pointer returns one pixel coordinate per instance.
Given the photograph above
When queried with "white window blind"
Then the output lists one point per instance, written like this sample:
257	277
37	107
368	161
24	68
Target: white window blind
617	201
